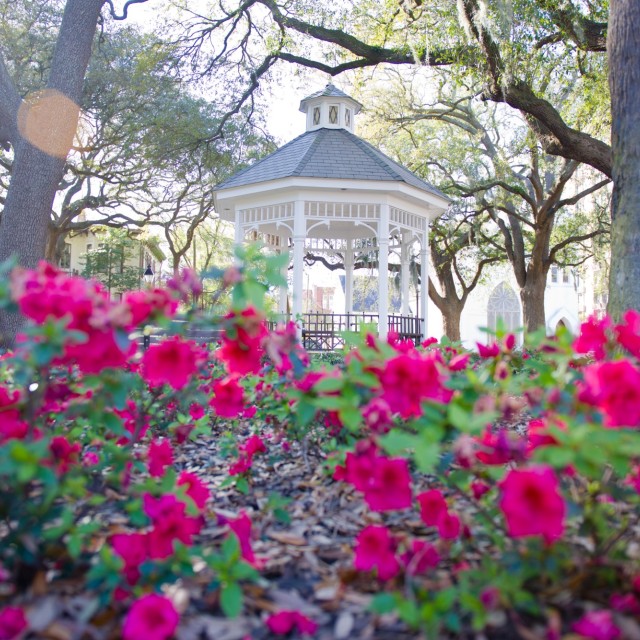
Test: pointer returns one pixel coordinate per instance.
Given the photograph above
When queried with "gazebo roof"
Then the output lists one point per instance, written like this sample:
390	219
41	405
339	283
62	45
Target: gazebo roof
330	91
328	153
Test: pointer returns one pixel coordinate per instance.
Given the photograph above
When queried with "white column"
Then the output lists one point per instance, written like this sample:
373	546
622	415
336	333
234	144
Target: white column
238	230
284	289
383	271
299	236
405	257
424	283
348	278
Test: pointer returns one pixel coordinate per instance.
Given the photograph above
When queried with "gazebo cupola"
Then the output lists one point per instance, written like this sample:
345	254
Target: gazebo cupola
330	191
330	108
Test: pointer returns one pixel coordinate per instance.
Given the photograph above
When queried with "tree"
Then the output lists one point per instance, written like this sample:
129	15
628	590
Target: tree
142	131
458	263
517	52
40	130
624	58
493	166
116	261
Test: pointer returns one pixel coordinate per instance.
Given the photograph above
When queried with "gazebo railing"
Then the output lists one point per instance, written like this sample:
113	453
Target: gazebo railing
323	331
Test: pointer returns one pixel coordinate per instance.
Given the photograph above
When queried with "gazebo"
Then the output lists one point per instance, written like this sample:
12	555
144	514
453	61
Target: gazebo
330	185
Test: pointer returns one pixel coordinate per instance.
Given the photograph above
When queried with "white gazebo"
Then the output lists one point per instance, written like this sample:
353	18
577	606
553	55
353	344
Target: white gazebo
329	184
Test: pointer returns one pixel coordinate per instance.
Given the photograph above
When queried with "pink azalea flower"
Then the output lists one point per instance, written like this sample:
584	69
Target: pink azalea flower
409	379
13	623
490	351
593	337
174	361
625	603
90	459
132	548
186	284
253	445
358	468
285	622
148	304
228	398
532	503
421	557
152	617
499	447
196	411
628	333
378	415
490	597
479	488
613	388
11	426
375	549
538	436
597	625
241	527
242	345
432	507
170	523
64	453
449	526
196	489
459	362
159	456
390	486
242	465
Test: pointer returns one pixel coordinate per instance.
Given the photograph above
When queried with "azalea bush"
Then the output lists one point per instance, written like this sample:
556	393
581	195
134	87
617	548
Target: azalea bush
89	427
521	467
532	475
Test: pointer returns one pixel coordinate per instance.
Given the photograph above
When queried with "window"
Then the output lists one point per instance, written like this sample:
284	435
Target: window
316	115
503	303
554	273
565	276
65	260
333	114
347	117
89	247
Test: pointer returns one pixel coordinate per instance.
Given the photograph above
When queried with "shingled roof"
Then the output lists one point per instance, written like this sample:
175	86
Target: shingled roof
327	153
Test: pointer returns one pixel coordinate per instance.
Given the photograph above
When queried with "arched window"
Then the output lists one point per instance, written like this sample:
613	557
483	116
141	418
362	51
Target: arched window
503	303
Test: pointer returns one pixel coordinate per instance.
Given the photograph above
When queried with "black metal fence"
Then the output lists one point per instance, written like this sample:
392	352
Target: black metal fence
320	331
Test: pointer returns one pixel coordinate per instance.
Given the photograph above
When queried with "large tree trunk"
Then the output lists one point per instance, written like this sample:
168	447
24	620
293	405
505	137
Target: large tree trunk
35	175
451	320
55	245
624	81
532	297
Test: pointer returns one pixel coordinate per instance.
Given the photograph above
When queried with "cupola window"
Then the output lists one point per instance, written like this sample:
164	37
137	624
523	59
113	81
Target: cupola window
347	117
316	115
333	114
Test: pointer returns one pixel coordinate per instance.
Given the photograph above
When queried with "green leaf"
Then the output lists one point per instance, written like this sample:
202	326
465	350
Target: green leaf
383	603
230	549
231	599
351	418
244	571
397	441
329	385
